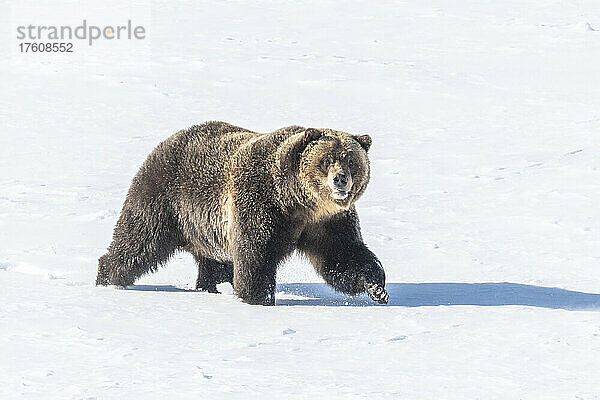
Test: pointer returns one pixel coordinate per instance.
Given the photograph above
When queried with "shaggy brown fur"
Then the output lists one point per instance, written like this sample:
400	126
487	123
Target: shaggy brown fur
242	201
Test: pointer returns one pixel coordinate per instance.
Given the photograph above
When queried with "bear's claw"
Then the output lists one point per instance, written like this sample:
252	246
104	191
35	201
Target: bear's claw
377	293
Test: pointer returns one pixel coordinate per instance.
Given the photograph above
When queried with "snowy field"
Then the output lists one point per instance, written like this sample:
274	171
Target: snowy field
483	204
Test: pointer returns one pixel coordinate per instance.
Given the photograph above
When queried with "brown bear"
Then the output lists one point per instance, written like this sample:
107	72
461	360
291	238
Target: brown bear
241	202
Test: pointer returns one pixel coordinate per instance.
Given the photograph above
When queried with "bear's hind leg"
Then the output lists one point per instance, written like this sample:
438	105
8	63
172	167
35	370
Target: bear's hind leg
211	273
141	241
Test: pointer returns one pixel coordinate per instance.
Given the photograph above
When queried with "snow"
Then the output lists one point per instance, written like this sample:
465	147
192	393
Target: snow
482	205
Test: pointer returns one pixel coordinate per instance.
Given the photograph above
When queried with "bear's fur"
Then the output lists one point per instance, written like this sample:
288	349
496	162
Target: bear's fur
241	202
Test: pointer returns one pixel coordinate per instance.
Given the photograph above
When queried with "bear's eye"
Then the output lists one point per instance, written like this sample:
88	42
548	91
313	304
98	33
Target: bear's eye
350	163
324	164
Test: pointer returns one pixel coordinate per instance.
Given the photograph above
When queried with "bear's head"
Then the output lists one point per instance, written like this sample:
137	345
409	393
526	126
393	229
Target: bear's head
334	168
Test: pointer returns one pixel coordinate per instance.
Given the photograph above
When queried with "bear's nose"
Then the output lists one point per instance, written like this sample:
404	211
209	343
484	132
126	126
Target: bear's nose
340	181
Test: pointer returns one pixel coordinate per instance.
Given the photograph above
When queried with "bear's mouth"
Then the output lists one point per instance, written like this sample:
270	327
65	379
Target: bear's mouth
339	194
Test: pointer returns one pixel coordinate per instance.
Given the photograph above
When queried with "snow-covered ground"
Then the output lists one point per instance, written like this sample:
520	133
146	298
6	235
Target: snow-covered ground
483	205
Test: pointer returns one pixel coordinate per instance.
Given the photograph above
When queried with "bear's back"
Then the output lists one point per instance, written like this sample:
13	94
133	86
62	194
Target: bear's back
214	139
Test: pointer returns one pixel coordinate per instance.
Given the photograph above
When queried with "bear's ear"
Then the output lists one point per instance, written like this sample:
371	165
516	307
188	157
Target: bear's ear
311	134
298	142
364	141
288	154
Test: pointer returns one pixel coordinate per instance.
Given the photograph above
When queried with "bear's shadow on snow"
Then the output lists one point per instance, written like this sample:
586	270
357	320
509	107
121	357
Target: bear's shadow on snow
426	294
438	294
158	288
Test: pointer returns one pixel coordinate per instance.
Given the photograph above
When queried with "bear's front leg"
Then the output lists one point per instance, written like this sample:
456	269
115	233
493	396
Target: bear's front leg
336	249
258	246
353	268
374	283
254	276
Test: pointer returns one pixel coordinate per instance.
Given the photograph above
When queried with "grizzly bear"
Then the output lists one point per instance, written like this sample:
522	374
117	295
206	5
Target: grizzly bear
241	202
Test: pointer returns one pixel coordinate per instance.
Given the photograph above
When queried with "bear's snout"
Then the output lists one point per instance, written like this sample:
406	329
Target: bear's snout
340	184
340	181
